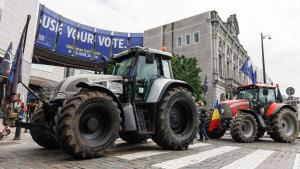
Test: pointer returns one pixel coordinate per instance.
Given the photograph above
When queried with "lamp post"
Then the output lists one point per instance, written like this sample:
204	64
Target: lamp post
262	37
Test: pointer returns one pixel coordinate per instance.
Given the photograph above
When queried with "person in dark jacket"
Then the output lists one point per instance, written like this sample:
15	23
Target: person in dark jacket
202	116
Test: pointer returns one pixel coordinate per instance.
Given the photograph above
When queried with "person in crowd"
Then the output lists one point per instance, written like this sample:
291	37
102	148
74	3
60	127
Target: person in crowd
22	110
202	116
37	104
31	108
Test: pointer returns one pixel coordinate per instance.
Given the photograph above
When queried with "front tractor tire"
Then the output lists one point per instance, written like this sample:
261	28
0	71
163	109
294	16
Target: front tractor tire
88	124
285	127
43	132
243	128
176	120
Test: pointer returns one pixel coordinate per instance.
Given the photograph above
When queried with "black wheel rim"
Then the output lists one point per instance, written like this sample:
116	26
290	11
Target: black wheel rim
180	118
94	125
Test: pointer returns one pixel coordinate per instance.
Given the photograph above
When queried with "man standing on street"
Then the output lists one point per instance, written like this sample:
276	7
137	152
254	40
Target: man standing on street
202	116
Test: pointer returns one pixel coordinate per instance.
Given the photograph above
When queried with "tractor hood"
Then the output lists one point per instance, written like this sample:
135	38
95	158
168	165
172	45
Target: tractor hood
232	107
67	87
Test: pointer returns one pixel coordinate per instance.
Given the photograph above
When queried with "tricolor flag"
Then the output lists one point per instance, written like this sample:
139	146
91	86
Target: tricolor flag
215	121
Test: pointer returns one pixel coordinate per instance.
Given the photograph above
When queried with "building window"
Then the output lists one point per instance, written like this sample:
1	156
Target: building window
1	8
220	66
187	39
196	37
179	42
228	70
234	72
0	14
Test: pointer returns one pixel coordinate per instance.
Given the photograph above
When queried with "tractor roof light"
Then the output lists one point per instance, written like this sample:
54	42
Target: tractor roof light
164	49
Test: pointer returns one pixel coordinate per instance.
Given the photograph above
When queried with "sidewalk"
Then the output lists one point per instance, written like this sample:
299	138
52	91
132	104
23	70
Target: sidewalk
7	140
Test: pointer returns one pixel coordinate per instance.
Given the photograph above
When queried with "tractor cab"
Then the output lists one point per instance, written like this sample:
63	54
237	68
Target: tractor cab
260	96
139	67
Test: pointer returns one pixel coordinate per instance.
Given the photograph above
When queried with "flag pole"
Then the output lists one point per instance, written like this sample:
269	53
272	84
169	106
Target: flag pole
36	96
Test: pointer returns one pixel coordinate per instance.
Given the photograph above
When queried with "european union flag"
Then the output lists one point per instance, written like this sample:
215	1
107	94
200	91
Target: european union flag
247	69
15	75
253	78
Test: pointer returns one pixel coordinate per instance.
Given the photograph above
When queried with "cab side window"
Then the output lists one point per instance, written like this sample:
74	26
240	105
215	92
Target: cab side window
146	71
265	99
271	96
166	69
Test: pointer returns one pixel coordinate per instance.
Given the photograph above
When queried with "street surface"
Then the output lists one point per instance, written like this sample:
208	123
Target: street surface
224	153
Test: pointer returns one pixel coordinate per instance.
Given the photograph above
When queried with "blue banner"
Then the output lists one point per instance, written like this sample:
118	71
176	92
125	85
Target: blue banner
103	43
47	29
69	38
66	37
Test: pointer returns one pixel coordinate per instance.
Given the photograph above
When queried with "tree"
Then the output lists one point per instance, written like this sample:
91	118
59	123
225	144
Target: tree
108	69
187	69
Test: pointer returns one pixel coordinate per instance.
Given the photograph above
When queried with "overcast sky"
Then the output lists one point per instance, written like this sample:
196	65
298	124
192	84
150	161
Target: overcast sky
279	18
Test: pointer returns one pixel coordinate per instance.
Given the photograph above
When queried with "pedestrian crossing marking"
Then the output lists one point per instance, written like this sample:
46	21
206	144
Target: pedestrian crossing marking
198	145
250	161
194	159
137	155
148	153
297	161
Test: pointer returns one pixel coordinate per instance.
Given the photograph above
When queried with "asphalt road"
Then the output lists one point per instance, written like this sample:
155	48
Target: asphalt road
213	154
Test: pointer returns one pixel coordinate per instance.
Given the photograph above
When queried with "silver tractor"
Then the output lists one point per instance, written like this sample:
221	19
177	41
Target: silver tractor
140	100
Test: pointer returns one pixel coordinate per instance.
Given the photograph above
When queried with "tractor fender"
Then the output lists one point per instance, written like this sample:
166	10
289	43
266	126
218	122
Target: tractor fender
274	108
260	121
93	86
161	85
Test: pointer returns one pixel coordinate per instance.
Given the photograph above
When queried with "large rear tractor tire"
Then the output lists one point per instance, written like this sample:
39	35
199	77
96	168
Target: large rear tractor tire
133	138
43	132
177	120
285	127
88	124
217	133
243	128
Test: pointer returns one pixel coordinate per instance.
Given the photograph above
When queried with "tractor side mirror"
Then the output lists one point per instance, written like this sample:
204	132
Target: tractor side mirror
150	58
265	92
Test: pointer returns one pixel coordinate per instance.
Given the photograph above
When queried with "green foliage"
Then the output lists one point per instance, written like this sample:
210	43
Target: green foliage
187	69
108	70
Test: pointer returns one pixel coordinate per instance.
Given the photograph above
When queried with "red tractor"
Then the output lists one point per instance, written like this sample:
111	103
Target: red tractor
255	112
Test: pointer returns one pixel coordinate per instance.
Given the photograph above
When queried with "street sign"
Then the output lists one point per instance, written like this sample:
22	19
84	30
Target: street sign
290	91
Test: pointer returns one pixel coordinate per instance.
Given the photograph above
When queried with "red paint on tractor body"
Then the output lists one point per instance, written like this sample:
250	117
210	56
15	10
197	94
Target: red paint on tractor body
273	108
236	105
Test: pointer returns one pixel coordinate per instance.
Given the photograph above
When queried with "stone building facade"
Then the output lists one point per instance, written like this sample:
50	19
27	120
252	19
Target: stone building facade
213	42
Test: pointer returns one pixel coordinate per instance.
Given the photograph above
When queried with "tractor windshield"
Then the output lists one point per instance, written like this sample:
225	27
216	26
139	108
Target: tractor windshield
248	94
123	67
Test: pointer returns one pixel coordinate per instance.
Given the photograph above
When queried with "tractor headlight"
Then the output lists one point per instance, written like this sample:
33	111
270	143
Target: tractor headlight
116	87
59	95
